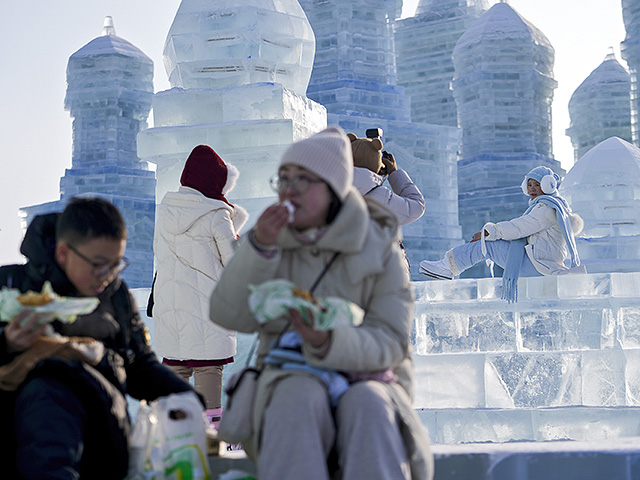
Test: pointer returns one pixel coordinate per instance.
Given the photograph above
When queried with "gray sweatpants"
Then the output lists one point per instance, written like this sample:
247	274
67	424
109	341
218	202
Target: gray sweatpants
299	431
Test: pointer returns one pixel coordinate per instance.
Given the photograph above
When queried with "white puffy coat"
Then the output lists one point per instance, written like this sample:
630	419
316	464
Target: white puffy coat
404	198
546	247
194	240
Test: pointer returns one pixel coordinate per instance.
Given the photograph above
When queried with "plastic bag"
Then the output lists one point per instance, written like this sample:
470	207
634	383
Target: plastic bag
168	441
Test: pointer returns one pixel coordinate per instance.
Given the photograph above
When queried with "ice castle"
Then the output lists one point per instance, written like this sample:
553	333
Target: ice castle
424	48
110	86
354	77
503	87
239	70
600	107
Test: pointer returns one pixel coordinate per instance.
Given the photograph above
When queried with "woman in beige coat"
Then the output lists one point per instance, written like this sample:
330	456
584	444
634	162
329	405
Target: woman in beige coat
372	428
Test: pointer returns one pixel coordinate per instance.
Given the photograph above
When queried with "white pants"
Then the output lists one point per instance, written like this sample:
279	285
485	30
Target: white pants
468	254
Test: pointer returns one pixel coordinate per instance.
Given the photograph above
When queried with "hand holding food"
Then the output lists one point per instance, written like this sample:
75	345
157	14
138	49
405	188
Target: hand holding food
46	304
274	298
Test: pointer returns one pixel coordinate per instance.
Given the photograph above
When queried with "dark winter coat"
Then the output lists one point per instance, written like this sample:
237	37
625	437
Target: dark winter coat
128	367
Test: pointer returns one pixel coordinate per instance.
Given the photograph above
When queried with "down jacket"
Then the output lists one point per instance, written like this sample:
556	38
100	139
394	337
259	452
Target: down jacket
194	240
546	247
128	367
370	271
403	198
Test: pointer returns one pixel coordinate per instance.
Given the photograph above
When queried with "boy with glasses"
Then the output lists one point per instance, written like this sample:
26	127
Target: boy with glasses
68	418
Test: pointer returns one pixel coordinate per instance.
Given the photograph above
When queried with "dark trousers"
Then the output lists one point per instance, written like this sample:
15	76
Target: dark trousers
63	434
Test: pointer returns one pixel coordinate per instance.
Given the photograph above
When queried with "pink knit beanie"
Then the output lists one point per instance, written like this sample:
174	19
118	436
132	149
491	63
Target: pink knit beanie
328	155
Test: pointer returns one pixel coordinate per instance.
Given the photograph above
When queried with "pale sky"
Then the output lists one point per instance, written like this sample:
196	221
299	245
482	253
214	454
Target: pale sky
37	37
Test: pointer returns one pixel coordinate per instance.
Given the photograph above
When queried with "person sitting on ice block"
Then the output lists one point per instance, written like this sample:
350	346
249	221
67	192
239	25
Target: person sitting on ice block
534	244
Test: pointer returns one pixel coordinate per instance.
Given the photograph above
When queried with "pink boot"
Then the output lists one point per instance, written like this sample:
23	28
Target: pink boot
213	416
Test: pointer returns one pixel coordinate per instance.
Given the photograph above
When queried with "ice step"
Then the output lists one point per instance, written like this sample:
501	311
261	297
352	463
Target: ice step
614	459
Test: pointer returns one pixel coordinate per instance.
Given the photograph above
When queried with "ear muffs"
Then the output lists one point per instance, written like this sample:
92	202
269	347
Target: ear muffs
549	184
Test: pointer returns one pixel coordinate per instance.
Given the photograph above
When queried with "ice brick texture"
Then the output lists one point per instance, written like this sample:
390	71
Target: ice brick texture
630	49
424	48
561	363
600	107
603	187
110	86
354	77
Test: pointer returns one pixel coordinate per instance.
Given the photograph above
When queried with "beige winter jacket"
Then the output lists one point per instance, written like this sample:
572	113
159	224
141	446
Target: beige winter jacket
370	271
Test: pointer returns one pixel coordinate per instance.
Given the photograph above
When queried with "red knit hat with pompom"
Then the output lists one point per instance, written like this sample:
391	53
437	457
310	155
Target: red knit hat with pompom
205	171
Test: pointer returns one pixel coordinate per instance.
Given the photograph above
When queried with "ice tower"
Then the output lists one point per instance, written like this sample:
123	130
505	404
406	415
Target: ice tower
600	107
424	45
630	49
239	71
503	88
110	86
354	76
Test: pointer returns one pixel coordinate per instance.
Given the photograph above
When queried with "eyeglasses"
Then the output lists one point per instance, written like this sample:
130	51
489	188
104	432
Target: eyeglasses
101	269
299	184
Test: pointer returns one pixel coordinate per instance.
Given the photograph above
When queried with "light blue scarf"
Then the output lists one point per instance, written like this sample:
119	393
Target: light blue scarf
516	252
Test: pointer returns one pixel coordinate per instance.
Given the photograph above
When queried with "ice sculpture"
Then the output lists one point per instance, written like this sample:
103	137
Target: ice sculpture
604	188
238	43
503	88
600	107
630	49
424	45
354	77
239	71
110	86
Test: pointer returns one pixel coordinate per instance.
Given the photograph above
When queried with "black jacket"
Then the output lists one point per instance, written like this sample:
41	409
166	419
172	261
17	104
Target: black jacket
129	364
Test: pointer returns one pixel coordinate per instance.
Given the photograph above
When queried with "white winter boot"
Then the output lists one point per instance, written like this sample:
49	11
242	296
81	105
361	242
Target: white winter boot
439	269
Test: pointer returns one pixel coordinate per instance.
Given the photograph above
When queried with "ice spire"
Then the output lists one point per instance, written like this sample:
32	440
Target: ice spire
107	27
600	107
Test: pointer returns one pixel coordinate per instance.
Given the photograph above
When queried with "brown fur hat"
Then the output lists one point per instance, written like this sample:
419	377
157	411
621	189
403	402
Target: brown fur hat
367	152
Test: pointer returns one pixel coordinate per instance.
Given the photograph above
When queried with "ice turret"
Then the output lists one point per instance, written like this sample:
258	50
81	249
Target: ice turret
503	88
110	86
600	107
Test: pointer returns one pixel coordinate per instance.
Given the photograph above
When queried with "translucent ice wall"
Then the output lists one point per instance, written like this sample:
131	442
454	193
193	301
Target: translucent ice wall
236	42
562	363
600	107
503	88
424	47
630	49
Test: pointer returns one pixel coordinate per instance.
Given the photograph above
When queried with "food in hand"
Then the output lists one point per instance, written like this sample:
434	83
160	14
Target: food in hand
291	208
304	294
35	299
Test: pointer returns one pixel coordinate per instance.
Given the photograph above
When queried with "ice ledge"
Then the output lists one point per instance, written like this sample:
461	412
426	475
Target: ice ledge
532	289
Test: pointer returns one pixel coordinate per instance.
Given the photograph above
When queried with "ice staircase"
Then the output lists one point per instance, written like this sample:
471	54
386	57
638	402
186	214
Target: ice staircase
563	363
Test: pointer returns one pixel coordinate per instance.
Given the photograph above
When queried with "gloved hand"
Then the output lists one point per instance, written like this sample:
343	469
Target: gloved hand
389	163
